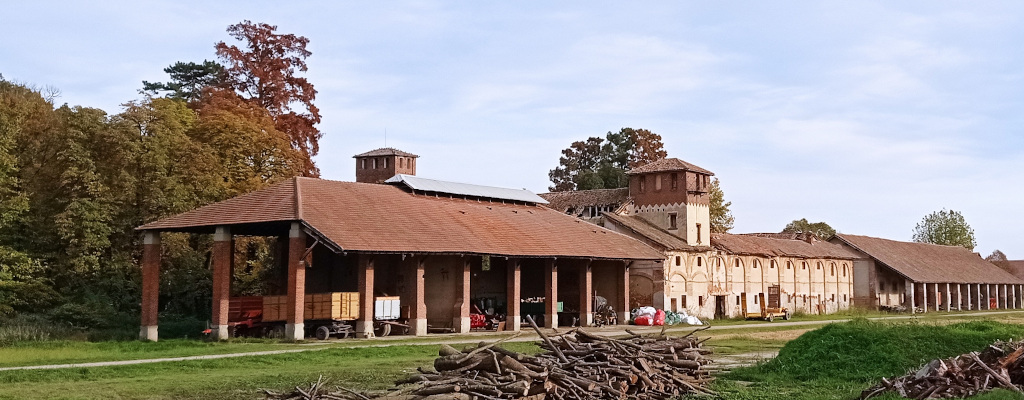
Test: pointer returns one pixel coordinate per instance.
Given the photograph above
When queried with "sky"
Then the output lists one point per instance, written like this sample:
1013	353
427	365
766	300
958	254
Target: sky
866	115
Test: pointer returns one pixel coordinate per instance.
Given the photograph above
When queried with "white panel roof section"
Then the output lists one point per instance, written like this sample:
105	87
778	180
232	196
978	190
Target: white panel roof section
466	189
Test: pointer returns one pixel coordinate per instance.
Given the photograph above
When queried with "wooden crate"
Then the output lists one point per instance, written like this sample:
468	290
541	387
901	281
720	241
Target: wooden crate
335	306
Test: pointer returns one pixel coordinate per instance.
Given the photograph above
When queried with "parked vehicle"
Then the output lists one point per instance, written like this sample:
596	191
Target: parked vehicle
765	308
326	315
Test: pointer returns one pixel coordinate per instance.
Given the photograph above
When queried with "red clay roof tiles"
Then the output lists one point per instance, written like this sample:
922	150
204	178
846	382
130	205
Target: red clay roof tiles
776	247
563	201
668	164
385	218
929	263
385	151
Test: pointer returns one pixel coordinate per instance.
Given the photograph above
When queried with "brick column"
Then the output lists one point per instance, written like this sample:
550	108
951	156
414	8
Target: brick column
223	253
364	270
622	287
911	302
150	285
294	327
461	319
513	290
550	294
418	308
586	295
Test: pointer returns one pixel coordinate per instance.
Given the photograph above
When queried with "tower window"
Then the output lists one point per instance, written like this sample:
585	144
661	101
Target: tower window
385	163
401	162
641	180
698	233
674	178
672	221
374	163
362	163
657	182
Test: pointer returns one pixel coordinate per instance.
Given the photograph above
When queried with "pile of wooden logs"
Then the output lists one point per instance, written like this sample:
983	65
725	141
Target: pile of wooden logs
576	365
1001	365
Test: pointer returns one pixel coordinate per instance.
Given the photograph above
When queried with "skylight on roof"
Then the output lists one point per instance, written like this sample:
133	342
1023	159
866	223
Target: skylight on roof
466	189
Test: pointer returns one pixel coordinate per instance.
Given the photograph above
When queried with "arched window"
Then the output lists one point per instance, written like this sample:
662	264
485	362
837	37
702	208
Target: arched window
737	263
789	265
772	264
757	263
819	265
844	269
832	269
804	265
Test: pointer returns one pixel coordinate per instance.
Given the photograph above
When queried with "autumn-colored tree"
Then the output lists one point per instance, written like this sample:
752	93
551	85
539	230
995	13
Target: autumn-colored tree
721	218
602	163
820	229
264	71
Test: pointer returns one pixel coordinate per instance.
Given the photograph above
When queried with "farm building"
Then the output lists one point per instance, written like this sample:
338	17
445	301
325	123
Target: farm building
440	247
928	276
710	275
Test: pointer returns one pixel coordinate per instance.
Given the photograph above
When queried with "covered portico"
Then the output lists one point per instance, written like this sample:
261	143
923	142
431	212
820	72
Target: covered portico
437	253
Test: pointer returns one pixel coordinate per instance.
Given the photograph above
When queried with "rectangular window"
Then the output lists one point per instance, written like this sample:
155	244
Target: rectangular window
672	221
678	260
738	299
385	163
755	299
683	298
700	301
698	233
640	183
675	181
657	182
374	163
362	163
401	162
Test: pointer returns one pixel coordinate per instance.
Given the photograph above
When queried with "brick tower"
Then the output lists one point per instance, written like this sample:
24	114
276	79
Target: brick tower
673	194
377	166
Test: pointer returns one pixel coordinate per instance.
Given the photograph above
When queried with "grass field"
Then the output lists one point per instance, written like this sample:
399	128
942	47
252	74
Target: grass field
835	362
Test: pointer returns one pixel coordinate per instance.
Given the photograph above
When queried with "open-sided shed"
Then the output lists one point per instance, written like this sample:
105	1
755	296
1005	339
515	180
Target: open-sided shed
426	241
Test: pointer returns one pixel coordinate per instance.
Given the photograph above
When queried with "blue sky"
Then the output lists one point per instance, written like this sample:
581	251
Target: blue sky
866	115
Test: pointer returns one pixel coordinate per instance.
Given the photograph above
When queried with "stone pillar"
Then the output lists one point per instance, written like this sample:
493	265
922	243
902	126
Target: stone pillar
365	275
550	294
970	304
513	290
1006	296
150	285
622	287
294	327
586	295
222	258
935	293
960	299
924	297
946	300
461	321
911	302
418	310
988	296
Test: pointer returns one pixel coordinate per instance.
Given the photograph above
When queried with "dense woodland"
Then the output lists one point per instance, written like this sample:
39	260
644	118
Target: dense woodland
75	181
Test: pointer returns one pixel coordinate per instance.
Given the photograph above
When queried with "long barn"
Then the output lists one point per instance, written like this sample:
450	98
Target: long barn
434	244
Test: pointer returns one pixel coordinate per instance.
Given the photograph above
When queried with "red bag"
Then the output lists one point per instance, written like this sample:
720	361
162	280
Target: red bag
644	320
659	318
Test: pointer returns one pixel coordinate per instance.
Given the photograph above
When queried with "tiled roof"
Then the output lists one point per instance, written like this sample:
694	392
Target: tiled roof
385	151
384	218
668	164
563	201
783	235
929	263
779	247
651	232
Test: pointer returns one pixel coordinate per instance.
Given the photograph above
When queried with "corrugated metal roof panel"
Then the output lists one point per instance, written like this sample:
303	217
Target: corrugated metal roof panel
466	189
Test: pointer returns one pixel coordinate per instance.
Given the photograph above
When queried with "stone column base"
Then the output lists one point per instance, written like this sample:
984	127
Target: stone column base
551	321
295	331
418	327
148	333
220	332
623	318
586	319
513	323
461	324
364	329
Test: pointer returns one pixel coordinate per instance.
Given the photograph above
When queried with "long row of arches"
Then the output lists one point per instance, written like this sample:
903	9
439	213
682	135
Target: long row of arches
713	284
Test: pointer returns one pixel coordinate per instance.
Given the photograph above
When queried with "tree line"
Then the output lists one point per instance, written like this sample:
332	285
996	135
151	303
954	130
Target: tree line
75	181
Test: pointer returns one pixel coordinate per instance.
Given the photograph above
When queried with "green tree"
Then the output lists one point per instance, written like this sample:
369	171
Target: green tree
721	218
820	229
946	227
598	163
188	80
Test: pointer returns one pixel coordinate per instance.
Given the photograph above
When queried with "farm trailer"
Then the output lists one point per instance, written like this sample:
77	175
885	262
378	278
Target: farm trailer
326	315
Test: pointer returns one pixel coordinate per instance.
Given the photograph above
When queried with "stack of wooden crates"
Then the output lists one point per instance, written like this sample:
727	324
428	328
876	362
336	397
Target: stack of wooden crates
319	306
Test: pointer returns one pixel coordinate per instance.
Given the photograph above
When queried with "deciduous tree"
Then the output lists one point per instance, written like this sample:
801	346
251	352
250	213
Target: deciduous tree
946	227
602	163
721	218
820	229
264	72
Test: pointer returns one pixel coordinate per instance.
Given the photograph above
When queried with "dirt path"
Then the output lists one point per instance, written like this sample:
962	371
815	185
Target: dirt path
726	362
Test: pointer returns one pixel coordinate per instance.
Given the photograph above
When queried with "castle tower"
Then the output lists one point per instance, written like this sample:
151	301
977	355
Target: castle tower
673	194
377	166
